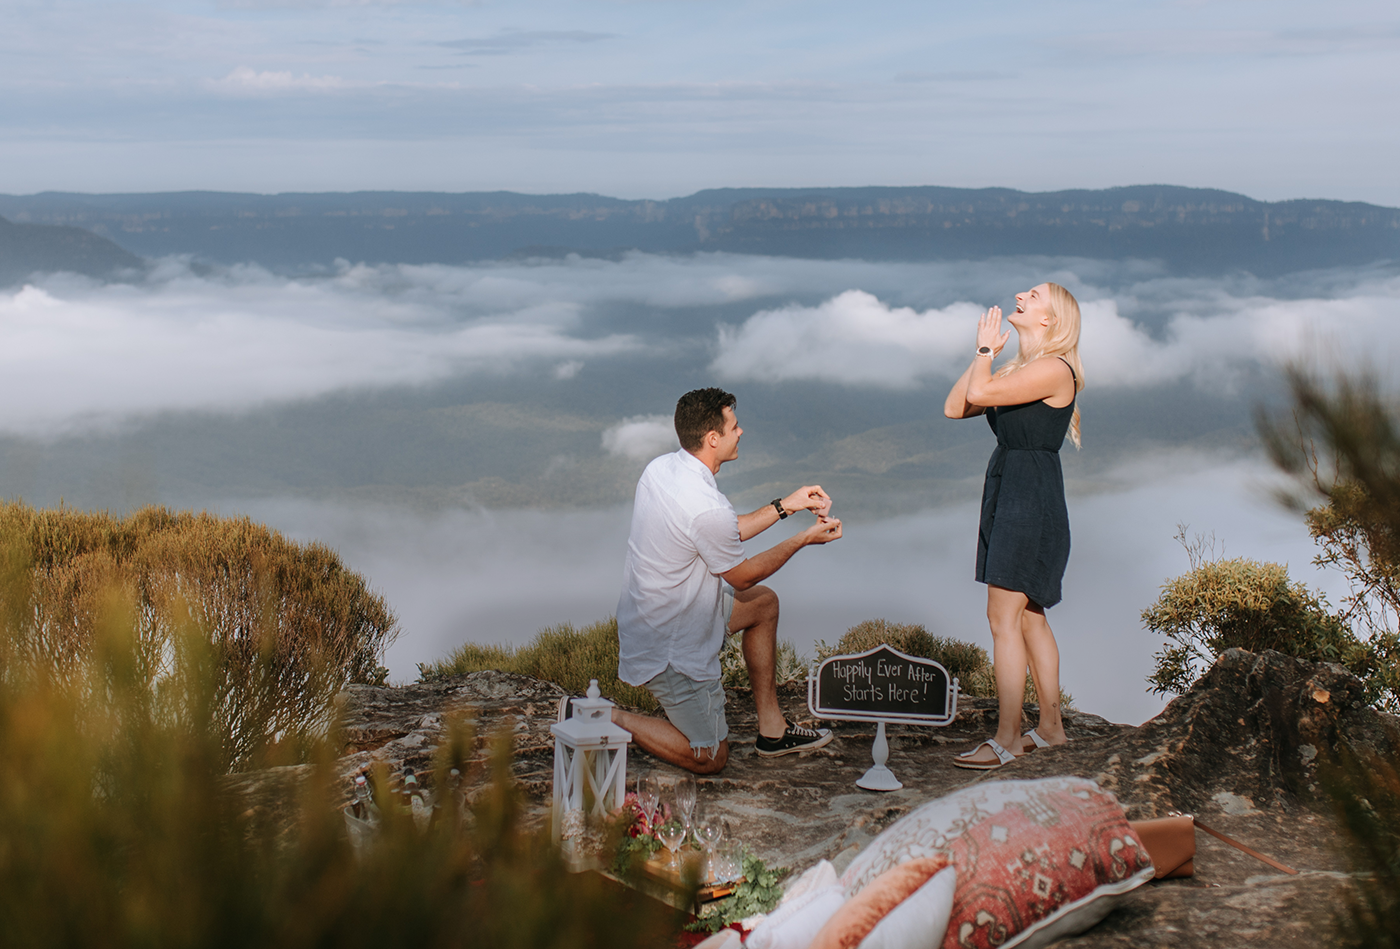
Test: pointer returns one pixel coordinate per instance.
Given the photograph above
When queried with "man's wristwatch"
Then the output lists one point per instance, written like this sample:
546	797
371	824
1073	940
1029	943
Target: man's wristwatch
984	350
778	506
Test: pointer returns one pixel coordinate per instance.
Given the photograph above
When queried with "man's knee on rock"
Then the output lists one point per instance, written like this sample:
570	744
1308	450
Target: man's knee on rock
705	763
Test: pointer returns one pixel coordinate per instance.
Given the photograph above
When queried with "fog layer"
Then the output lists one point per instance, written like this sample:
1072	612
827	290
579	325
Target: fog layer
469	437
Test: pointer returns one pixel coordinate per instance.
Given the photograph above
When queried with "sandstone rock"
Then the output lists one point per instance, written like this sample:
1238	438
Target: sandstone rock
1240	750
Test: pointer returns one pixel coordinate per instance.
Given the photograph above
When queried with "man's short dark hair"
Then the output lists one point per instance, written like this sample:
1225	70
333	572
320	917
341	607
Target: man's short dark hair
700	412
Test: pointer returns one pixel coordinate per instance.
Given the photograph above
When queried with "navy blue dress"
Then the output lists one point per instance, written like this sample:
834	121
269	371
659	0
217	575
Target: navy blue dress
1023	537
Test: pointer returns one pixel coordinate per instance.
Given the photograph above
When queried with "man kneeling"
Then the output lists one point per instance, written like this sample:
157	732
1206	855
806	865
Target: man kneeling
688	582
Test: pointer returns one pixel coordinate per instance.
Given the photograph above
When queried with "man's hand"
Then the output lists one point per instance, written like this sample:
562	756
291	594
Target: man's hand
808	498
762	566
823	531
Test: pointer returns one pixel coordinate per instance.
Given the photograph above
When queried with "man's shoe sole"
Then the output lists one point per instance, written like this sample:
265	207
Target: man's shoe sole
809	746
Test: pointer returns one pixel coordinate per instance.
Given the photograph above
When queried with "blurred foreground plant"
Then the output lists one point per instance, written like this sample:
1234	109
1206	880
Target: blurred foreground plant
286	625
118	829
1366	794
1341	444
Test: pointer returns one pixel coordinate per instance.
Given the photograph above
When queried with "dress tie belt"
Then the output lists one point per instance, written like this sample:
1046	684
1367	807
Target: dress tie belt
999	457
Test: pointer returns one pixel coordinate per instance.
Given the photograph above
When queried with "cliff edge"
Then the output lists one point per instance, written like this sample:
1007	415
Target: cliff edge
1240	750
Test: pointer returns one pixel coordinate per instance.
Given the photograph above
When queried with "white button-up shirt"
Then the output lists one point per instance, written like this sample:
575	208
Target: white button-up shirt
684	535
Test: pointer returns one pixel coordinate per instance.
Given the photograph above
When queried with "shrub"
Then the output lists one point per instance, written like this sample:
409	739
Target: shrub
116	830
1356	538
561	654
789	665
1222	604
287	623
1365	793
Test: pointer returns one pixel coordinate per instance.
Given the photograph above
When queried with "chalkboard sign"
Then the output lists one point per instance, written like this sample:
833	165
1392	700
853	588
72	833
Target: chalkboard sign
883	684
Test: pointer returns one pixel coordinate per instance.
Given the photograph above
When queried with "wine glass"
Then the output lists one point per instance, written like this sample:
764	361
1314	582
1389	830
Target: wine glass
685	800
728	865
709	831
671	834
648	797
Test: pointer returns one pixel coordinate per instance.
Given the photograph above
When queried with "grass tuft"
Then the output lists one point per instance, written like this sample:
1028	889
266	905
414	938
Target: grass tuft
561	654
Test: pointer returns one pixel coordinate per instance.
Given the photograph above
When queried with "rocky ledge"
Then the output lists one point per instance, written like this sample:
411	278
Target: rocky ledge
1240	751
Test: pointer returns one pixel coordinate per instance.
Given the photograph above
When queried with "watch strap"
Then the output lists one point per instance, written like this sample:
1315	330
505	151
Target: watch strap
778	506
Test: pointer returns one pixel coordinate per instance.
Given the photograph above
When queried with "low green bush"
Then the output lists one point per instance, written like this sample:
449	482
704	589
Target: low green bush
1240	603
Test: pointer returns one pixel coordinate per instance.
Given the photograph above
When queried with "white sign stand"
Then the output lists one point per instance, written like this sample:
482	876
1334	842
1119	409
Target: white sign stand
880	778
901	670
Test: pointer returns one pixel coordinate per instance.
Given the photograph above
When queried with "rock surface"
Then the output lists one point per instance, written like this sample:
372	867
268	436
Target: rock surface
1240	751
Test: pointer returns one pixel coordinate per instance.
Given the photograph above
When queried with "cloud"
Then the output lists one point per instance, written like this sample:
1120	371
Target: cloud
1236	43
76	355
852	338
856	339
952	75
245	80
514	41
485	576
641	437
338	4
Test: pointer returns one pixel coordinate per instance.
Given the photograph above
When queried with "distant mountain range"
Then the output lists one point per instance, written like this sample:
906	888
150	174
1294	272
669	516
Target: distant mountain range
38	248
1191	230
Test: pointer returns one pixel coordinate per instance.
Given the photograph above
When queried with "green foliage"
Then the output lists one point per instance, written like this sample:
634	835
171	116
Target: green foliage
287	624
118	829
560	654
632	852
789	665
1342	444
966	662
759	893
1365	793
1356	538
1222	604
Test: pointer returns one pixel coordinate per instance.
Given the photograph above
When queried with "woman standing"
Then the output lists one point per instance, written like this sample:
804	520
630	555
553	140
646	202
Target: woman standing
1023	538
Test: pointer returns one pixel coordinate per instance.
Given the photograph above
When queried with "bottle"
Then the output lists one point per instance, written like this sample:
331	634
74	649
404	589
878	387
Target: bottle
363	805
417	804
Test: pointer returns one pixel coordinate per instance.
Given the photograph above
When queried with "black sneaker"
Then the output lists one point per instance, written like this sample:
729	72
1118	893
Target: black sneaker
796	738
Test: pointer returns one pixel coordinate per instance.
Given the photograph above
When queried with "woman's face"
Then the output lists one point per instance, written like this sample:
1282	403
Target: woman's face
1032	313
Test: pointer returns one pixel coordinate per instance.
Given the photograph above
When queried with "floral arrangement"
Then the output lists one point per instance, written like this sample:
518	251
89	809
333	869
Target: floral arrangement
636	836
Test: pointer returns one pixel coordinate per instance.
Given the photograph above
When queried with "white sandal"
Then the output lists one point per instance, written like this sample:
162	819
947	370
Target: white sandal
1034	736
1004	757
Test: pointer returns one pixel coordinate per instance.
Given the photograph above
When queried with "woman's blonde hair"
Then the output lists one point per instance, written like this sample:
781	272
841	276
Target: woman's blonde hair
1061	339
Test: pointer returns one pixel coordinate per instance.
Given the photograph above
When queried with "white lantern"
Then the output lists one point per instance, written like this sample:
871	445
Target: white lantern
590	760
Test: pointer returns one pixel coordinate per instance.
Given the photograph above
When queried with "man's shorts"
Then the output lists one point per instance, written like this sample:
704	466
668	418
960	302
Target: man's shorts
695	707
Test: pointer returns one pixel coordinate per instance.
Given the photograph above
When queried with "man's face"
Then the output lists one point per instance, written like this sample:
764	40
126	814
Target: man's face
728	448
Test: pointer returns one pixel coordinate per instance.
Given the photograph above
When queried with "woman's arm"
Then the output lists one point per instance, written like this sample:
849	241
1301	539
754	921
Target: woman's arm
1047	378
959	404
956	405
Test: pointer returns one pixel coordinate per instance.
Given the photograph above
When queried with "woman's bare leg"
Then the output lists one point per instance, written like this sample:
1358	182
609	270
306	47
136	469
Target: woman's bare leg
1004	610
1044	657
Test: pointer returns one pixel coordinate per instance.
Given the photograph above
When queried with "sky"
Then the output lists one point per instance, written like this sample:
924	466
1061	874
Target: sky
656	98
